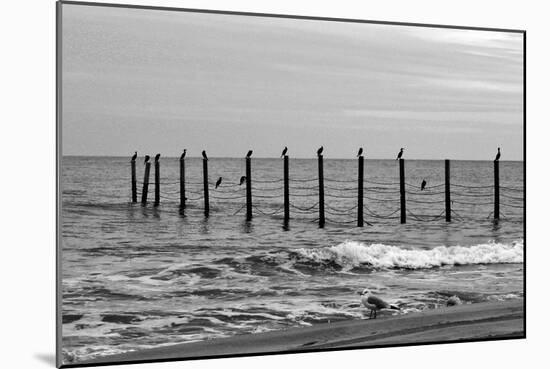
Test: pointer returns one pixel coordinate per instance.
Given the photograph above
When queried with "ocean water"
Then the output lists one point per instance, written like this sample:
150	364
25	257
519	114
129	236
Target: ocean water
135	277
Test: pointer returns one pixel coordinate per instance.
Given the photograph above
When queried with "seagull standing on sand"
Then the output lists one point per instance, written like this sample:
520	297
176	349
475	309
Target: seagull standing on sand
360	152
374	303
243	178
423	185
218	182
183	154
400	154
249	153
284	151
147	157
204	155
134	156
498	154
320	151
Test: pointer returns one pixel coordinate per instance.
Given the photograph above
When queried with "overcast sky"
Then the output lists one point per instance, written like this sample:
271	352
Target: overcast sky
159	81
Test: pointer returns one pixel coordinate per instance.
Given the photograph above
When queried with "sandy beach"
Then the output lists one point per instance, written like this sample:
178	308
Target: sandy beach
450	324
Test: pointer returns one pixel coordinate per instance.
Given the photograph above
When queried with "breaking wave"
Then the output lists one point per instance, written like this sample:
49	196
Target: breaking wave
350	254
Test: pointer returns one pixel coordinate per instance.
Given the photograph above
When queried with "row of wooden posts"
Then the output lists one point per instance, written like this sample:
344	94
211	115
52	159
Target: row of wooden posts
286	192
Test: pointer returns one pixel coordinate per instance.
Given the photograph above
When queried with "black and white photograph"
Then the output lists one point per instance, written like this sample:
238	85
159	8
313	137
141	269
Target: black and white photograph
245	184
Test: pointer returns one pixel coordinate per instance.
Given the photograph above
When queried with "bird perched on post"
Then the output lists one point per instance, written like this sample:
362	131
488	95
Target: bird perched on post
147	157
218	182
134	156
320	151
375	303
400	154
360	152
249	153
423	185
204	155
498	154
157	157
284	151
243	178
183	154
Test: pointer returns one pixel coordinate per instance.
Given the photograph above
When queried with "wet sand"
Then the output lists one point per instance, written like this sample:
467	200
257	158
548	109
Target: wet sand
450	324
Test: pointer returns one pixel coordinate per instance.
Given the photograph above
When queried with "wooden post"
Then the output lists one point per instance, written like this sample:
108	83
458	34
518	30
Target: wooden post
145	184
496	211
182	183
360	192
248	190
286	191
134	181
447	190
402	190
321	193
157	183
205	183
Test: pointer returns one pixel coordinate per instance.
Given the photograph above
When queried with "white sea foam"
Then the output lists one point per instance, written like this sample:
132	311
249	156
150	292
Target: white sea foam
229	313
353	254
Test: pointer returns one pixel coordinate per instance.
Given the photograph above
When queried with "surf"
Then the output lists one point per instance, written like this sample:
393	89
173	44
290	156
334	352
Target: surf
352	254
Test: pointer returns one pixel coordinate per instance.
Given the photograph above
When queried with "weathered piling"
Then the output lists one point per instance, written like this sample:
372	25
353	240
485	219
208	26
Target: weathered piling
447	190
182	183
134	181
205	187
157	183
286	194
360	177
321	192
402	191
248	189
145	183
496	211
360	215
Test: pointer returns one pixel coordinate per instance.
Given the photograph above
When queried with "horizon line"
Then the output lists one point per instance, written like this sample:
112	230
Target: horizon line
290	157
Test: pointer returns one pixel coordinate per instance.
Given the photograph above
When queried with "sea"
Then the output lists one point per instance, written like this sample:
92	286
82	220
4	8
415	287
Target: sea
137	277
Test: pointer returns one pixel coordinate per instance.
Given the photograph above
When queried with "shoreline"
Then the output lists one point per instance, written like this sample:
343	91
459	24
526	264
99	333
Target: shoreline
478	321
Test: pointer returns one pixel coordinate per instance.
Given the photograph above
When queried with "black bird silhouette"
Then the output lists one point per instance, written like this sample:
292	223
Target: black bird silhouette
423	185
147	157
400	154
134	156
284	151
218	182
243	178
360	152
320	151
157	157
249	153
183	154
498	155
204	155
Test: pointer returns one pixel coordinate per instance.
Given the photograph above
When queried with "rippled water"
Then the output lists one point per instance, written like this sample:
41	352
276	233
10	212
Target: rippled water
137	277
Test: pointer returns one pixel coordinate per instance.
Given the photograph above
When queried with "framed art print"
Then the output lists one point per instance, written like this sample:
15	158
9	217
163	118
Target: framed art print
246	184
